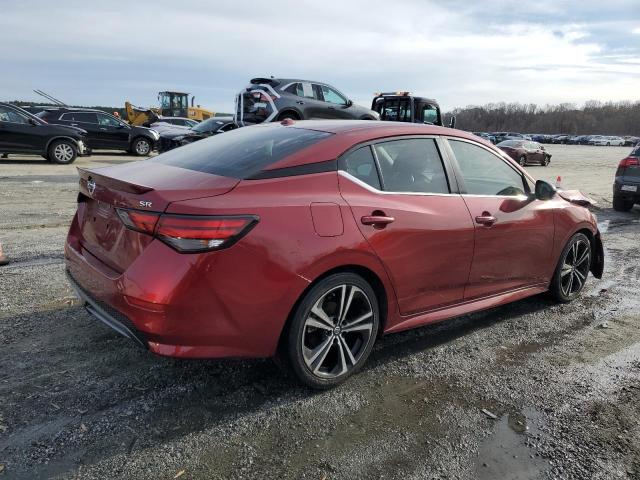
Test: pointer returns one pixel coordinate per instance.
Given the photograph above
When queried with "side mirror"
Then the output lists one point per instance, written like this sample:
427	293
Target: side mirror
544	190
33	122
349	103
542	147
452	122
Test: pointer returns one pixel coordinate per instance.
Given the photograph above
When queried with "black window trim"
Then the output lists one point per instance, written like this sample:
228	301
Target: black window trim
458	173
446	163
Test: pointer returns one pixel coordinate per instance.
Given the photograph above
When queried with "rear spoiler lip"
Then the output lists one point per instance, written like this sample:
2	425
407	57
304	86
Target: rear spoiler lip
113	183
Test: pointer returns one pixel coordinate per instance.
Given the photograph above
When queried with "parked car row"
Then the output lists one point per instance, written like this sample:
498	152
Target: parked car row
601	140
566	139
61	134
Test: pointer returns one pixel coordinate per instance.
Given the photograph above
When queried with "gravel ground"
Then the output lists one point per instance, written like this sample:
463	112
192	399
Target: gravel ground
530	390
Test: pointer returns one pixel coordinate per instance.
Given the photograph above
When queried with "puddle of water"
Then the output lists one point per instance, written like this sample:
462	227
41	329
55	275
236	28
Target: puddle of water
504	455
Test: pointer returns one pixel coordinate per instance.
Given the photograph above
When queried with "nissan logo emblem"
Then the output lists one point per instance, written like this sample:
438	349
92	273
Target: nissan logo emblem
91	185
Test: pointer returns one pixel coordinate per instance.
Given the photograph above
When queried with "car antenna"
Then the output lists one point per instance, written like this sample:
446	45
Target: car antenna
51	98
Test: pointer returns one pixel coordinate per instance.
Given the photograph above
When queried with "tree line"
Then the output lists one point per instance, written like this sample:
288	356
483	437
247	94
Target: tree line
595	117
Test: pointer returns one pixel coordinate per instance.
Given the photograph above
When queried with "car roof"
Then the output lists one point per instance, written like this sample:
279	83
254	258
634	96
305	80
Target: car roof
348	133
280	82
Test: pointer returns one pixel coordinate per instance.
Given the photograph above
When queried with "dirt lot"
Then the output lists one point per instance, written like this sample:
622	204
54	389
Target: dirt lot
79	401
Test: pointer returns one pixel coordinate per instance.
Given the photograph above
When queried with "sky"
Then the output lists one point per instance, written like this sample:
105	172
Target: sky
461	52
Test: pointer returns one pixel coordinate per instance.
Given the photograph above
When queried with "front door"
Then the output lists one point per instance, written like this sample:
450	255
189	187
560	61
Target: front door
335	104
421	232
114	133
514	231
16	133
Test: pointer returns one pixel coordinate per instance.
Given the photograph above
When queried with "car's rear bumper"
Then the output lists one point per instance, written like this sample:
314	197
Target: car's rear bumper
623	188
189	306
108	315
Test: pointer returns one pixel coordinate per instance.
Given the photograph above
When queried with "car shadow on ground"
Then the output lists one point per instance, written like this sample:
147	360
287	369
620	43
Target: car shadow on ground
70	377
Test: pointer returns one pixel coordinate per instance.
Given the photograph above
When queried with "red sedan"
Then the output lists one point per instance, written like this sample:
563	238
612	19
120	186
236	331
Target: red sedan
311	239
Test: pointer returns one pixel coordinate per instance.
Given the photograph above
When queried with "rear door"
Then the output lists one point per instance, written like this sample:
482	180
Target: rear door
399	193
513	231
89	122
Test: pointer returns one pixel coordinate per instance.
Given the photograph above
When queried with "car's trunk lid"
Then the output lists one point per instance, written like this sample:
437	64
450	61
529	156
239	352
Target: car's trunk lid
133	186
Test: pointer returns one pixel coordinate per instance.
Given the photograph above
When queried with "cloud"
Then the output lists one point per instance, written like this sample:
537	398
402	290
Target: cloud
460	53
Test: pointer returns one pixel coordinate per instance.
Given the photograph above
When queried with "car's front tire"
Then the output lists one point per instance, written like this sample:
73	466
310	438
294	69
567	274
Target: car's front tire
572	269
332	330
546	161
141	146
522	160
62	152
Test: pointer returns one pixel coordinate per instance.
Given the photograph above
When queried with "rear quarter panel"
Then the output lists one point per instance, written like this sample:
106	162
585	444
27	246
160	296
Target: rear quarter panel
259	279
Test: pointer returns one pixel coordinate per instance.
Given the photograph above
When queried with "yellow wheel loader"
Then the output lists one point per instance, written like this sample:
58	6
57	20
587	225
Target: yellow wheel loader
172	104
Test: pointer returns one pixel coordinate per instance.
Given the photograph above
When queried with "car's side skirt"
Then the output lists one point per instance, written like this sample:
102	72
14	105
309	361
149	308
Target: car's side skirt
467	307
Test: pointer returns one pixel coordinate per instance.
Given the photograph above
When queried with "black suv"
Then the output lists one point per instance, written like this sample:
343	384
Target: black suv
105	132
21	132
626	186
275	99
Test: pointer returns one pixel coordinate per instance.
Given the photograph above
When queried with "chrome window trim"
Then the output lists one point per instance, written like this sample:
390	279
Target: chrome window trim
385	192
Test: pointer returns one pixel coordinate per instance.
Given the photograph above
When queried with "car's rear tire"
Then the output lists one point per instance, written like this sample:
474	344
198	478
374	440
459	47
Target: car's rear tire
572	269
622	205
545	161
332	331
522	160
141	146
62	152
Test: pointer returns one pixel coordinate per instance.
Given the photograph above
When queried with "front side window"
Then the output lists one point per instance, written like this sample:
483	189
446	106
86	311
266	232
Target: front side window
11	116
243	152
107	121
331	96
360	164
485	173
412	165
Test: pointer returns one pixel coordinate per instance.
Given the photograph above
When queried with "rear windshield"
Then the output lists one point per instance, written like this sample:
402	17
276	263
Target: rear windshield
243	152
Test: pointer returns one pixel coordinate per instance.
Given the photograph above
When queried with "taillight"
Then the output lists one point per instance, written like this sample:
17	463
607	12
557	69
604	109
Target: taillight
190	233
139	221
629	162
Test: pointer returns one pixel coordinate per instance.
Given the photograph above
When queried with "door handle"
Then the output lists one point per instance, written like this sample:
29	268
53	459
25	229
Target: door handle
74	124
486	219
331	108
299	102
379	221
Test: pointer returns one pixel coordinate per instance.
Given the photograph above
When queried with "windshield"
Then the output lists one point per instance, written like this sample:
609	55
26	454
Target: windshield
243	152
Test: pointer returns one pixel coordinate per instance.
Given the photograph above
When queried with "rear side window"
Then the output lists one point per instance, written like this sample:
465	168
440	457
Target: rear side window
412	165
360	164
84	117
485	173
243	152
635	152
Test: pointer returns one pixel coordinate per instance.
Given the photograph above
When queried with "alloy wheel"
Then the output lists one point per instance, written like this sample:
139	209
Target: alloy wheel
142	147
575	268
63	152
337	331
